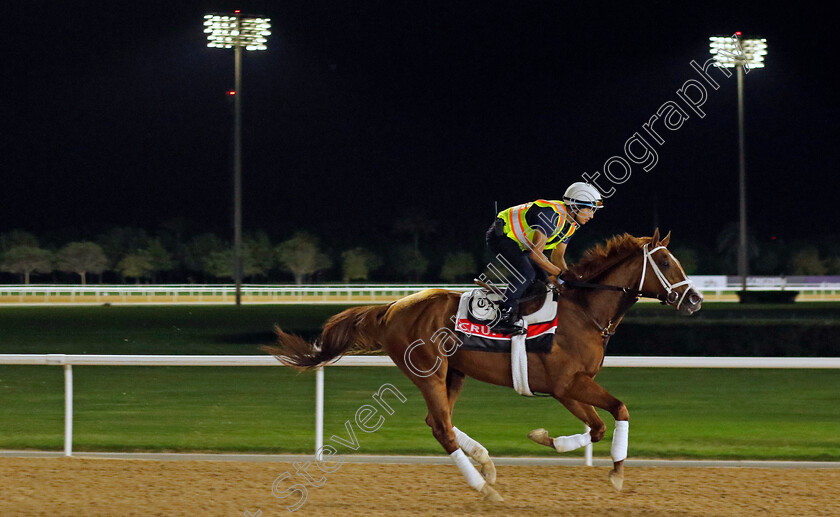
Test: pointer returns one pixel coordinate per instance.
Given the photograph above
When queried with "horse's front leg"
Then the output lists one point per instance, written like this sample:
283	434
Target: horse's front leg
586	414
584	389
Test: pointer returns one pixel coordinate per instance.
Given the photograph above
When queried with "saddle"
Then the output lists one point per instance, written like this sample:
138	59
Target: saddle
479	308
484	302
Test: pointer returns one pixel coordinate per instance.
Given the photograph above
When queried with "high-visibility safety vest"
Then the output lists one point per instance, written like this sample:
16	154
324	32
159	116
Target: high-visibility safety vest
516	227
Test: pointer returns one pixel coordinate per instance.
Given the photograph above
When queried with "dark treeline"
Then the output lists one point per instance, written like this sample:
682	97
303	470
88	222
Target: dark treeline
409	249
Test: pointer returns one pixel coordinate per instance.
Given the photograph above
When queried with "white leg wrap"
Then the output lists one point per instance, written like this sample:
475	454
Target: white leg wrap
473	449
621	436
570	443
474	479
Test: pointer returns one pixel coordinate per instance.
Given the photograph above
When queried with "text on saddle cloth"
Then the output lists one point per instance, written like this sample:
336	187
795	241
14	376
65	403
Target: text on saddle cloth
477	335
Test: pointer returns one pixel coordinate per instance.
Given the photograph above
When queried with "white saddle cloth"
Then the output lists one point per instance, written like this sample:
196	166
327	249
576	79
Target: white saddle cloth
481	309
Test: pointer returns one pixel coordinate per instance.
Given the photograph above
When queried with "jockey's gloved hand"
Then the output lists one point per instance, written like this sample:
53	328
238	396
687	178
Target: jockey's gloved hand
556	280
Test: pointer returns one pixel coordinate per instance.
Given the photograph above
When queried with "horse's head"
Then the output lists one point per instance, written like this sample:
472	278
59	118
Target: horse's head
663	274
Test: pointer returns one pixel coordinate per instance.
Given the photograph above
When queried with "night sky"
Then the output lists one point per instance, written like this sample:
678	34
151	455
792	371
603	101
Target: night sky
361	112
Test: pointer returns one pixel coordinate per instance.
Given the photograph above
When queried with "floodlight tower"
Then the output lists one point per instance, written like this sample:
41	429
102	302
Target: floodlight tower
237	31
742	55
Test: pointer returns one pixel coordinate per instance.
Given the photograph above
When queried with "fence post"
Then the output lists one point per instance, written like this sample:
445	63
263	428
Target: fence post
68	410
319	410
587	453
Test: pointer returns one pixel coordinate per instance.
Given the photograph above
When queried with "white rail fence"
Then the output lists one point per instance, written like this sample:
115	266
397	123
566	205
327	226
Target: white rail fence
714	284
68	360
202	293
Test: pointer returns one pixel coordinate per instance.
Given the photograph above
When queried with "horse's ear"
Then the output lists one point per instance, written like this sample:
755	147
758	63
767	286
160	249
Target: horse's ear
665	240
655	239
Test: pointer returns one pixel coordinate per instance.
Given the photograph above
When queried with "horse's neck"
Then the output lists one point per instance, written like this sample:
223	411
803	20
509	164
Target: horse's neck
608	307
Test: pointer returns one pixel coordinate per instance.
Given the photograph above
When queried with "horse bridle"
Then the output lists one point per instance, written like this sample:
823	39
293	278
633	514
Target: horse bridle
670	295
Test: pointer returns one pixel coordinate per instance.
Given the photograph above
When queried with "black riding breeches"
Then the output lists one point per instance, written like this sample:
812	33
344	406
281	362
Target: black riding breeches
516	264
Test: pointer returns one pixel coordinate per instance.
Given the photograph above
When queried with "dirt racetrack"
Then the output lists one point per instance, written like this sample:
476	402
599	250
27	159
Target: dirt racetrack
93	487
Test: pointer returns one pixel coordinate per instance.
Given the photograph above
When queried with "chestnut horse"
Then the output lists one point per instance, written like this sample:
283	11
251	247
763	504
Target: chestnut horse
417	333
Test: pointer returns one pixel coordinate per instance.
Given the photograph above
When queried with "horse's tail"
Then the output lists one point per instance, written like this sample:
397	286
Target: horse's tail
357	326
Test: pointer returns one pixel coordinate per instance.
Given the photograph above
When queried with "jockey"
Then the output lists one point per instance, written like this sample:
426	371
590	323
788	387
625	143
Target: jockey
520	234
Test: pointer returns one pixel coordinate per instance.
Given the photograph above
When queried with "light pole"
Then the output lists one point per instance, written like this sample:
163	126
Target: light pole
237	31
742	55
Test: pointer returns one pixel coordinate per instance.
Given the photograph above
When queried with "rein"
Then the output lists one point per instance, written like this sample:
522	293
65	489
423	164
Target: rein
668	296
631	294
575	284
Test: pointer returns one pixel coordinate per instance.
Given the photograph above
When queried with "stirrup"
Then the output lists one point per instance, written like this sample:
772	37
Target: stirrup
506	324
512	330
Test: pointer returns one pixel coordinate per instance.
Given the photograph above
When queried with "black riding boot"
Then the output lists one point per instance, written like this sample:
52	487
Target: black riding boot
507	323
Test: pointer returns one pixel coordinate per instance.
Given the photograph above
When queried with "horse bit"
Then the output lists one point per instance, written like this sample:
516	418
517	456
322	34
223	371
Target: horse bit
669	298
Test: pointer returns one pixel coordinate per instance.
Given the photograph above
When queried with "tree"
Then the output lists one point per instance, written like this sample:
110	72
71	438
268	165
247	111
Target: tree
122	241
301	256
727	246
410	263
832	266
769	260
220	263
25	260
416	225
173	235
199	250
16	238
135	265
458	266
258	255
358	263
159	258
82	258
807	262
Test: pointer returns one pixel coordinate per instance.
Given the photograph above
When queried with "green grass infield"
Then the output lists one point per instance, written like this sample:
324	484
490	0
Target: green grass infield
703	413
675	413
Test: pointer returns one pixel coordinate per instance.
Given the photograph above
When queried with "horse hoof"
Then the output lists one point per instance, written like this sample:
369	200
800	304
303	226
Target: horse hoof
489	493
617	480
489	472
541	437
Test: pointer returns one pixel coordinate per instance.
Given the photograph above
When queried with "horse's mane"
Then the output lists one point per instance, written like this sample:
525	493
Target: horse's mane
597	257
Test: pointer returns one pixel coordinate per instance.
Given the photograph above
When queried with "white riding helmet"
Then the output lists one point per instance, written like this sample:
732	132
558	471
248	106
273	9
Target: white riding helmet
583	194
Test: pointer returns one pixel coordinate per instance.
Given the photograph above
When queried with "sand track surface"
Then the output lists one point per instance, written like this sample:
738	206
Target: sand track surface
95	487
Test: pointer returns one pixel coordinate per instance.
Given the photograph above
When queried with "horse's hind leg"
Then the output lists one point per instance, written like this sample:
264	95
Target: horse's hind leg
587	415
584	389
439	419
454	385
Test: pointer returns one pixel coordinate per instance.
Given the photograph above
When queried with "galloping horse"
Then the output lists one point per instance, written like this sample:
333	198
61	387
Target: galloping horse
417	333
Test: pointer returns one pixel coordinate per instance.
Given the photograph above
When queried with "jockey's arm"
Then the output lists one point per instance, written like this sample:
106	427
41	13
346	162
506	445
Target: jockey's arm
539	258
558	257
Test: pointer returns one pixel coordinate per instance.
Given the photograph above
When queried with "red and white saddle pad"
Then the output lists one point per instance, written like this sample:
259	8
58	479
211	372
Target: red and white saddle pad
473	325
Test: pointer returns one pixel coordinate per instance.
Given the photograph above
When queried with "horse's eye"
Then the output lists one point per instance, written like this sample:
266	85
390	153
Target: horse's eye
666	264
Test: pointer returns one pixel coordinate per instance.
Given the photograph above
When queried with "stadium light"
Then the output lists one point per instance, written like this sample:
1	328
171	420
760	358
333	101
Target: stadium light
237	31
742	55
